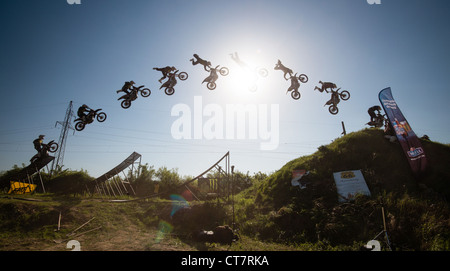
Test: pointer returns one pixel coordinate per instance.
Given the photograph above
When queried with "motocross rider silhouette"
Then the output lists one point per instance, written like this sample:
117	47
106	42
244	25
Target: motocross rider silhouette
325	85
38	145
372	113
286	70
165	71
82	110
198	60
236	58
126	87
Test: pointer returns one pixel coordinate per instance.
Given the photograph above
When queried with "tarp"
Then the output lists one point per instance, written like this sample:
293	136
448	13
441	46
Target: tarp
350	183
19	188
406	137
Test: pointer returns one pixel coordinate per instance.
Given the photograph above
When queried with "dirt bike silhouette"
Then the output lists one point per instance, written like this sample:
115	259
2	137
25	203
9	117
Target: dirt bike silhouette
129	97
213	76
295	81
51	146
295	84
172	81
333	102
378	122
89	118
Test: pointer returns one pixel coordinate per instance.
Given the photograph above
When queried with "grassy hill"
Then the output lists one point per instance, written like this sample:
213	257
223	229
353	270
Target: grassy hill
271	215
417	213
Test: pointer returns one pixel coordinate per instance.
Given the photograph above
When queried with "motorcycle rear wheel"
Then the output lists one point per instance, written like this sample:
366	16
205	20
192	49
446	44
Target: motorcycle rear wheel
79	126
101	117
145	92
169	91
211	85
333	109
295	95
125	104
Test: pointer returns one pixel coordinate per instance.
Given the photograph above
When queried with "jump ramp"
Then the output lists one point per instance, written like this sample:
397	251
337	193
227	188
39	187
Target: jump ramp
27	172
225	170
109	185
32	168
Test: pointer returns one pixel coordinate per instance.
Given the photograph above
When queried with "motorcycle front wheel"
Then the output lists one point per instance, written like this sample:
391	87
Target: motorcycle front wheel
79	126
224	71
345	95
295	95
169	91
125	104
53	147
333	109
211	85
263	72
183	76
101	117
145	92
303	78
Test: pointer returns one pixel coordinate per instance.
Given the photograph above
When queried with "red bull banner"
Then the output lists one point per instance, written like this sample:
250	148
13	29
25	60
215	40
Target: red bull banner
408	140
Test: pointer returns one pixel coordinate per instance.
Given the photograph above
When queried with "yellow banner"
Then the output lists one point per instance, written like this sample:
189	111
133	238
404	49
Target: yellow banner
21	188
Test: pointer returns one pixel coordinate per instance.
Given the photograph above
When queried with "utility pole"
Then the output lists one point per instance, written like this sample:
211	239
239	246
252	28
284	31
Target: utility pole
66	125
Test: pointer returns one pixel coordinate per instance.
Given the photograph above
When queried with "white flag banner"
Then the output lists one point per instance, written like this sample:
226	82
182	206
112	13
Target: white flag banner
349	183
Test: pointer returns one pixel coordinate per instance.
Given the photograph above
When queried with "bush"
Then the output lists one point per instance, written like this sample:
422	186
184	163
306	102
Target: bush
69	182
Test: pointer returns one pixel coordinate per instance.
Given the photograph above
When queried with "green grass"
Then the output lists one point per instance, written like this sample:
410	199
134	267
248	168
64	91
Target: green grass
275	211
270	215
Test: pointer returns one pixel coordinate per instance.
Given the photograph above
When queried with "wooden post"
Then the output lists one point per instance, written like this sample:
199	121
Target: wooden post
42	183
343	129
59	221
384	227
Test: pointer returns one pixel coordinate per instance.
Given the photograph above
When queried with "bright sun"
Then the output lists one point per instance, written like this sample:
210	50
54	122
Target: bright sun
245	81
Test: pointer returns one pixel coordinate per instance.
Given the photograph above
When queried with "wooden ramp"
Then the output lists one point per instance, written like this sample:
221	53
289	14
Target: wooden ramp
109	185
32	168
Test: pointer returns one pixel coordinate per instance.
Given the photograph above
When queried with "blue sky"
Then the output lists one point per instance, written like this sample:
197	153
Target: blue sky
53	53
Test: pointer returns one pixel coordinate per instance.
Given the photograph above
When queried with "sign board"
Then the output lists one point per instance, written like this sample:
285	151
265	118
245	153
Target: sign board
296	176
349	183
